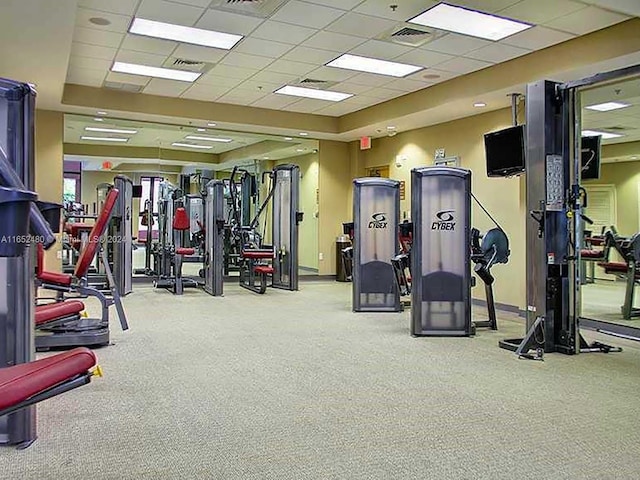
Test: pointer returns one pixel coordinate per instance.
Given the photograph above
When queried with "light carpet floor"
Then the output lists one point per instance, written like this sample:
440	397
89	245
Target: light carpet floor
293	385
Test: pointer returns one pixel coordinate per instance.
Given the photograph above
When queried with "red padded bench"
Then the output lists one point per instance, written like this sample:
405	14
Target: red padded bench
257	254
263	269
185	251
56	311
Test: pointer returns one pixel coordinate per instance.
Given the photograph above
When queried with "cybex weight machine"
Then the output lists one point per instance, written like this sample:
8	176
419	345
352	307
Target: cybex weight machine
214	223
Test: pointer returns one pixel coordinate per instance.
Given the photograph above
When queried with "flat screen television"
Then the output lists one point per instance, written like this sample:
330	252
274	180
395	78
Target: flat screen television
590	158
137	191
505	151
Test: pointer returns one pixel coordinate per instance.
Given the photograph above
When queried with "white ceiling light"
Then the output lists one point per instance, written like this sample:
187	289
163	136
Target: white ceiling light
104	139
101	112
201	129
209	139
98	119
469	22
288	138
373	65
211	124
299	149
479	104
604	135
191	145
195	36
313	93
148	71
608	106
304	134
111	130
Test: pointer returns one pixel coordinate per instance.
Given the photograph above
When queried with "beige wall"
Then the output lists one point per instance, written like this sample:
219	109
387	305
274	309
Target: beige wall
49	129
334	190
502	197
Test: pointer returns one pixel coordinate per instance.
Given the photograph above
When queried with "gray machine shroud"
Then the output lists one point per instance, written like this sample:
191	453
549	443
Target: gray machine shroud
440	257
376	214
214	214
122	235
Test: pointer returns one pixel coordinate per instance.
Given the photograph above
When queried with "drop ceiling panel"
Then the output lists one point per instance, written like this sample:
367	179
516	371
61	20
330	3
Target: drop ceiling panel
207	93
383	93
380	49
140	43
338	110
360	25
333	41
370	79
123	7
127	78
341	4
310	55
169	12
426	75
287	66
307	14
118	23
425	58
92	36
463	65
142	58
275	101
332	74
497	53
232	71
407	85
241	97
540	11
537	38
228	22
262	87
455	44
586	20
167	88
307	105
245	60
89	63
222	81
628	7
274	77
349	87
404	10
196	52
283	32
195	3
83	76
264	48
92	51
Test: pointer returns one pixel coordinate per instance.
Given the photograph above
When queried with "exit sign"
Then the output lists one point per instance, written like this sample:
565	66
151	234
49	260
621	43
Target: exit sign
365	143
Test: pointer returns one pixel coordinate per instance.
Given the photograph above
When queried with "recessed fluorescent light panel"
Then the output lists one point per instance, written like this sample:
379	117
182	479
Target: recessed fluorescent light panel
604	135
190	145
147	71
111	130
209	139
195	36
373	65
469	22
608	106
313	93
104	139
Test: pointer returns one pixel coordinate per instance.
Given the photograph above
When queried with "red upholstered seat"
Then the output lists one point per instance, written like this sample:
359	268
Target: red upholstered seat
595	240
63	279
185	251
614	267
76	230
263	269
592	254
181	219
257	253
21	382
54	311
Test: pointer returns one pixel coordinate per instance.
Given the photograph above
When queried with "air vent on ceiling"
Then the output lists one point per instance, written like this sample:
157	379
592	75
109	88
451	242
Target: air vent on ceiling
410	35
313	83
125	87
617	128
256	8
187	64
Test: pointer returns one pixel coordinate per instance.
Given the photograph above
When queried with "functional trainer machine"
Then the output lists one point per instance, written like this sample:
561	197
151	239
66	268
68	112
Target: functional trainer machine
214	223
376	213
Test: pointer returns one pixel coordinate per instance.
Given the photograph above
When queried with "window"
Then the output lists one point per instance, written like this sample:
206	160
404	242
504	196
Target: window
71	188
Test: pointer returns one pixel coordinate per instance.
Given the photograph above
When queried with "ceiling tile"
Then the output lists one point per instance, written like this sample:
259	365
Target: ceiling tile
262	87
455	44
307	105
310	55
287	66
360	25
350	87
92	51
537	38
264	48
166	88
463	65
586	20
425	76
169	12
425	58
241	96
497	53
380	49
274	77
490	6
332	74
204	92
126	78
540	11
91	36
123	7
370	79
142	58
333	41
220	81
245	60
361	100
196	52
306	14
85	76
195	3
118	23
90	63
407	85
141	43
232	71
384	93
282	32
404	10
228	22
341	4
274	101
628	7
338	110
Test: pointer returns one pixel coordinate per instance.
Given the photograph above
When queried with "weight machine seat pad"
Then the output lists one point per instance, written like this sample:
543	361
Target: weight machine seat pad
74	229
21	382
597	241
89	252
56	278
257	253
266	269
592	254
181	219
55	311
185	251
614	267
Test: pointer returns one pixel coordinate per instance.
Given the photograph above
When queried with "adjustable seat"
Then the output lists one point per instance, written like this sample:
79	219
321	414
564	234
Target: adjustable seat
54	313
181	224
255	268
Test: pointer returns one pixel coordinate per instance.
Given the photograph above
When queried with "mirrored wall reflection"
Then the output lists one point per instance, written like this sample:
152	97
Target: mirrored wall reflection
162	159
611	126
